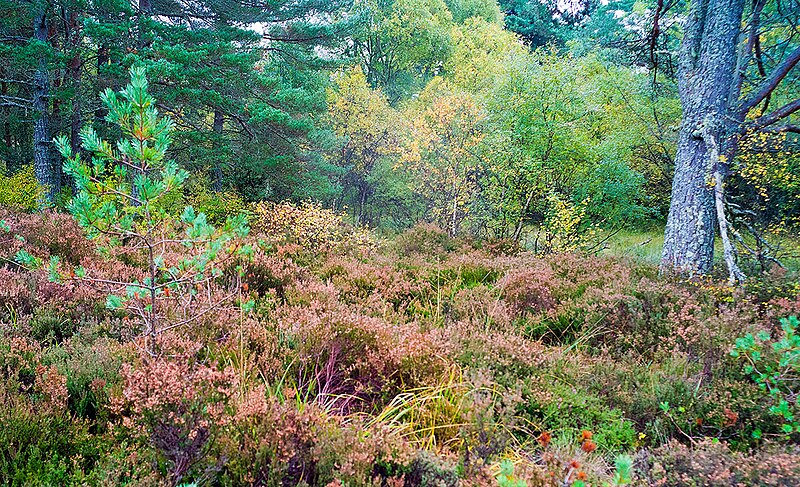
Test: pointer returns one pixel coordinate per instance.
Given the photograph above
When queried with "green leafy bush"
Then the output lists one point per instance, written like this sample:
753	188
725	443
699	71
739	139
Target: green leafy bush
774	364
20	190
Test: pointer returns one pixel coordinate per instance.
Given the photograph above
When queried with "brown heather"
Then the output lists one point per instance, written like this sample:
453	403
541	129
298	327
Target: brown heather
421	362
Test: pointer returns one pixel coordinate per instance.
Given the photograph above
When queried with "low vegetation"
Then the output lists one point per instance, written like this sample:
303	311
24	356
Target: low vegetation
422	243
426	360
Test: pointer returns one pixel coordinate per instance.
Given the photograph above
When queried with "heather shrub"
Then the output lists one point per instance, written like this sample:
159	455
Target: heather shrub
529	290
711	463
43	234
16	296
674	398
272	443
29	381
425	239
497	348
41	448
177	403
428	469
561	297
349	361
48	326
266	270
480	305
371	286
91	363
312	359
289	443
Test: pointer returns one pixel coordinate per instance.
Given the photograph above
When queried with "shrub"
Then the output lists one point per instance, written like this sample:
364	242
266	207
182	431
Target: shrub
46	233
428	469
21	190
349	361
566	410
291	443
371	285
425	239
217	206
711	463
91	363
309	225
178	404
45	448
774	364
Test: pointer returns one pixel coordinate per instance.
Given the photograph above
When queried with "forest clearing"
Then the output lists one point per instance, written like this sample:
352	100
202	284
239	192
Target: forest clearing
399	243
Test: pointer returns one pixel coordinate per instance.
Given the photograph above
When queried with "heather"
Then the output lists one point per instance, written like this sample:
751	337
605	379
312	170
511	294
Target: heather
422	243
419	360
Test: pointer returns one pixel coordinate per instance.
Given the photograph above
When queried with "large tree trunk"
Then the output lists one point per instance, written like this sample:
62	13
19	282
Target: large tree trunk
706	84
74	74
42	162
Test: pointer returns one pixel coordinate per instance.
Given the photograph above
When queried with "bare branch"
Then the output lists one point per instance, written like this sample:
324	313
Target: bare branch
772	82
752	46
783	128
774	116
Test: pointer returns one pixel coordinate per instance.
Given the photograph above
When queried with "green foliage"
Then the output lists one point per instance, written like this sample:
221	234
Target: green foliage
623	470
402	42
119	198
44	449
566	227
774	364
540	23
506	476
570	410
463	10
368	130
20	190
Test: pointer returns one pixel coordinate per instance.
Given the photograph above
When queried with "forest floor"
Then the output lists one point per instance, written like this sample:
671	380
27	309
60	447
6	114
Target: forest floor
645	247
418	361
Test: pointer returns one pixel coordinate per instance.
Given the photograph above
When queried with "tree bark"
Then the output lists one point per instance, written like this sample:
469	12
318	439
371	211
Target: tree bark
7	140
74	74
42	162
219	122
363	190
100	112
735	275
521	220
706	71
